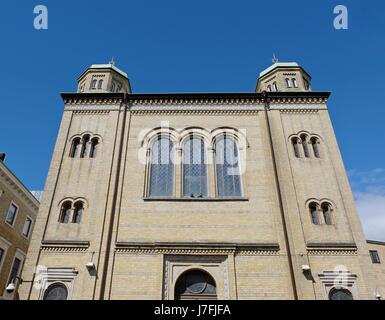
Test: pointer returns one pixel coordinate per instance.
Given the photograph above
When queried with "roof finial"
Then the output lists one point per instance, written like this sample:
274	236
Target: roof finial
112	61
275	59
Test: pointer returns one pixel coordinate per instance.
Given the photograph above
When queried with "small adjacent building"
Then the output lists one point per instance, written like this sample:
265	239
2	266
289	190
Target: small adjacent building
18	211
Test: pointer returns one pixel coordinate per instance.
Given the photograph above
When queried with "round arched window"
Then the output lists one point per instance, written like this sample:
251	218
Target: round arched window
195	285
340	294
56	291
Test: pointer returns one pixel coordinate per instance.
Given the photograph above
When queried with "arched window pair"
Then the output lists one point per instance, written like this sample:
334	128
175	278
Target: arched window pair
84	147
320	213
292	82
97	83
194	168
305	141
71	212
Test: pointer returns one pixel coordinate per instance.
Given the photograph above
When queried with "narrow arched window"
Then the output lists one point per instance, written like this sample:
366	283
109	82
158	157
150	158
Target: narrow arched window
75	148
65	212
93	83
162	168
269	88
85	146
194	168
78	212
304	145
313	208
295	84
326	209
227	163
288	83
94	147
275	87
113	87
294	142
314	143
100	84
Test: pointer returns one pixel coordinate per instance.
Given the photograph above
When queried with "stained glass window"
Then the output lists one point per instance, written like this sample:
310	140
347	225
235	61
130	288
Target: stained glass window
227	168
162	168
194	168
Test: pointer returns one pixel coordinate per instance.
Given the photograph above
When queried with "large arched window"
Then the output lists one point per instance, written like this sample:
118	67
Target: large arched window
340	294
227	163
304	145
326	212
65	212
56	291
94	147
195	285
294	142
85	146
78	212
162	168
75	148
194	168
313	208
314	143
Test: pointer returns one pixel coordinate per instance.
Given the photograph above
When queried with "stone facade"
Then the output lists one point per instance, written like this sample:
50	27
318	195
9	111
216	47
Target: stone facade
14	233
260	245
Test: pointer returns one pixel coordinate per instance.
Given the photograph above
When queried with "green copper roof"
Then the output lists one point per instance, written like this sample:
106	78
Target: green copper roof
276	65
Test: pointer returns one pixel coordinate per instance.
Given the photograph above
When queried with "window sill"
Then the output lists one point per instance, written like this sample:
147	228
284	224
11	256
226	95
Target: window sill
195	199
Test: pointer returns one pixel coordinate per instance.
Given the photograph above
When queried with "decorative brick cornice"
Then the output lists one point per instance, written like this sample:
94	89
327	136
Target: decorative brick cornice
64	246
197	248
332	248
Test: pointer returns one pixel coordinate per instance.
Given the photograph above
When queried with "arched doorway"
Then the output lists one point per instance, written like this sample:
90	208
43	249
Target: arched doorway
340	294
195	285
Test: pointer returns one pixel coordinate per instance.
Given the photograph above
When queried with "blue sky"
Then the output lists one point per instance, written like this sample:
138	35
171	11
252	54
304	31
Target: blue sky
196	46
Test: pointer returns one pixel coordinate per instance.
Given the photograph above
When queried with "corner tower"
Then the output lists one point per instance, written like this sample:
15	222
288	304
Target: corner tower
103	78
284	77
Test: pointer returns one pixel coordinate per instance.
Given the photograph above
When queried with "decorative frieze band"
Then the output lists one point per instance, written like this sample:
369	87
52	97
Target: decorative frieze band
197	249
64	246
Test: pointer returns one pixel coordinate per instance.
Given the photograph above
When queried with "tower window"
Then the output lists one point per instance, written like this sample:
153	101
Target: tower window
75	149
294	142
113	86
85	146
65	212
304	145
295	84
313	207
314	143
78	212
306	83
269	88
275	87
326	208
94	147
288	83
374	256
100	84
93	83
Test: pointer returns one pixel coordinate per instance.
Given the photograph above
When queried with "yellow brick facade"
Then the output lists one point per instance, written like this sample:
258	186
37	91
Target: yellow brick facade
256	246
